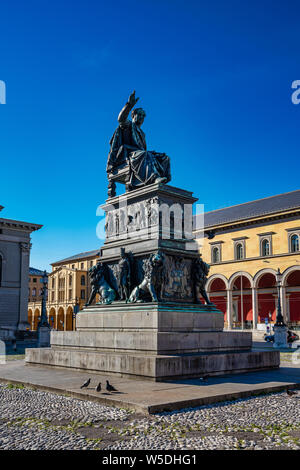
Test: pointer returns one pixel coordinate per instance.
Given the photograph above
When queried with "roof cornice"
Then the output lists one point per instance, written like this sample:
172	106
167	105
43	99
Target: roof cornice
27	226
75	258
231	224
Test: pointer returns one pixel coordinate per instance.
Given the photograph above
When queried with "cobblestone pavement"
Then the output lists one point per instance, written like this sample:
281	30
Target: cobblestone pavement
36	420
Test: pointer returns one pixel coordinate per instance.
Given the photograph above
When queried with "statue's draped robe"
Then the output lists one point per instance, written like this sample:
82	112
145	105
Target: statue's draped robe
128	146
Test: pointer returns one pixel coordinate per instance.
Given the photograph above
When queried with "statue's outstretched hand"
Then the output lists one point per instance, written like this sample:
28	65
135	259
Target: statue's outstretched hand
132	100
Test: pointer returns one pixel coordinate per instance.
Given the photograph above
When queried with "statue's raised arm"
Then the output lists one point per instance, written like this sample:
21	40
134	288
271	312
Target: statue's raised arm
132	100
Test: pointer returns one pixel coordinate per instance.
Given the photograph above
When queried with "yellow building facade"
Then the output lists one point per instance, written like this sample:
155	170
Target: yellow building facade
68	291
34	297
245	246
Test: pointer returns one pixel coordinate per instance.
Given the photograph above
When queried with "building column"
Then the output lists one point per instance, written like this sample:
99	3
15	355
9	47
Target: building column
288	306
24	273
66	288
65	319
254	307
229	309
55	317
284	304
56	289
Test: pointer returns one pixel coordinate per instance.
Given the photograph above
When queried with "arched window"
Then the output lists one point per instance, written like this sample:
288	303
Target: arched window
239	251
215	255
294	243
265	248
70	280
82	280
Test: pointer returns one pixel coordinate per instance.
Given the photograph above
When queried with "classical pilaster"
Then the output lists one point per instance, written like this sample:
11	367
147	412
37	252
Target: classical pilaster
66	294
24	273
56	297
229	308
284	304
254	307
287	304
65	318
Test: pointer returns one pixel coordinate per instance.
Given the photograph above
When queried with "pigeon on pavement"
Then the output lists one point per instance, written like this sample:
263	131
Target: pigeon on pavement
291	393
110	387
86	384
98	388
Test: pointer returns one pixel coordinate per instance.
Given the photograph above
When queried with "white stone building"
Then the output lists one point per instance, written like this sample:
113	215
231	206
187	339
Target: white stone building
14	267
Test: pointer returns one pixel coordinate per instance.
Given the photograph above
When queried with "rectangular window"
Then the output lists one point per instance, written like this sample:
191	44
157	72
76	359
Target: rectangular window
294	239
82	294
265	243
215	252
239	248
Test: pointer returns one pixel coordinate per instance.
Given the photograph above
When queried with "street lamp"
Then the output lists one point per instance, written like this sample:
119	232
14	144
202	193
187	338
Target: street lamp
279	317
43	325
43	319
280	328
75	311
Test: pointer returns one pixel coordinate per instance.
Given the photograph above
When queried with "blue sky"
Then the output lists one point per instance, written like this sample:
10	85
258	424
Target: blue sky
213	76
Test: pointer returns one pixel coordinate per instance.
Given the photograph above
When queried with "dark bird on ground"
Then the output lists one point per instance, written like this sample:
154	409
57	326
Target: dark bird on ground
98	388
291	393
109	387
86	384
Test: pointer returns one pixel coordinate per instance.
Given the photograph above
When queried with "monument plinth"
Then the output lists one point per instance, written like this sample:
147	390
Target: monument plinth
154	341
151	321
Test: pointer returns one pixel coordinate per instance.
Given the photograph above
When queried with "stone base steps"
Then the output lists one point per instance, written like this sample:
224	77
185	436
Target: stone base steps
155	367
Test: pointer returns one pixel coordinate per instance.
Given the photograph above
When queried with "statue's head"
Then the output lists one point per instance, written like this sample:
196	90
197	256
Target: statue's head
138	115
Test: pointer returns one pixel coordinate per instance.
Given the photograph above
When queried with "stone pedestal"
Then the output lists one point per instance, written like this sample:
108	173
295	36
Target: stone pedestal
153	341
44	336
280	337
143	221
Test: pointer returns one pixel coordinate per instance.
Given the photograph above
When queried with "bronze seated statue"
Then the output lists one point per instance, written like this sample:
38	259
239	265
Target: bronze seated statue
129	161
